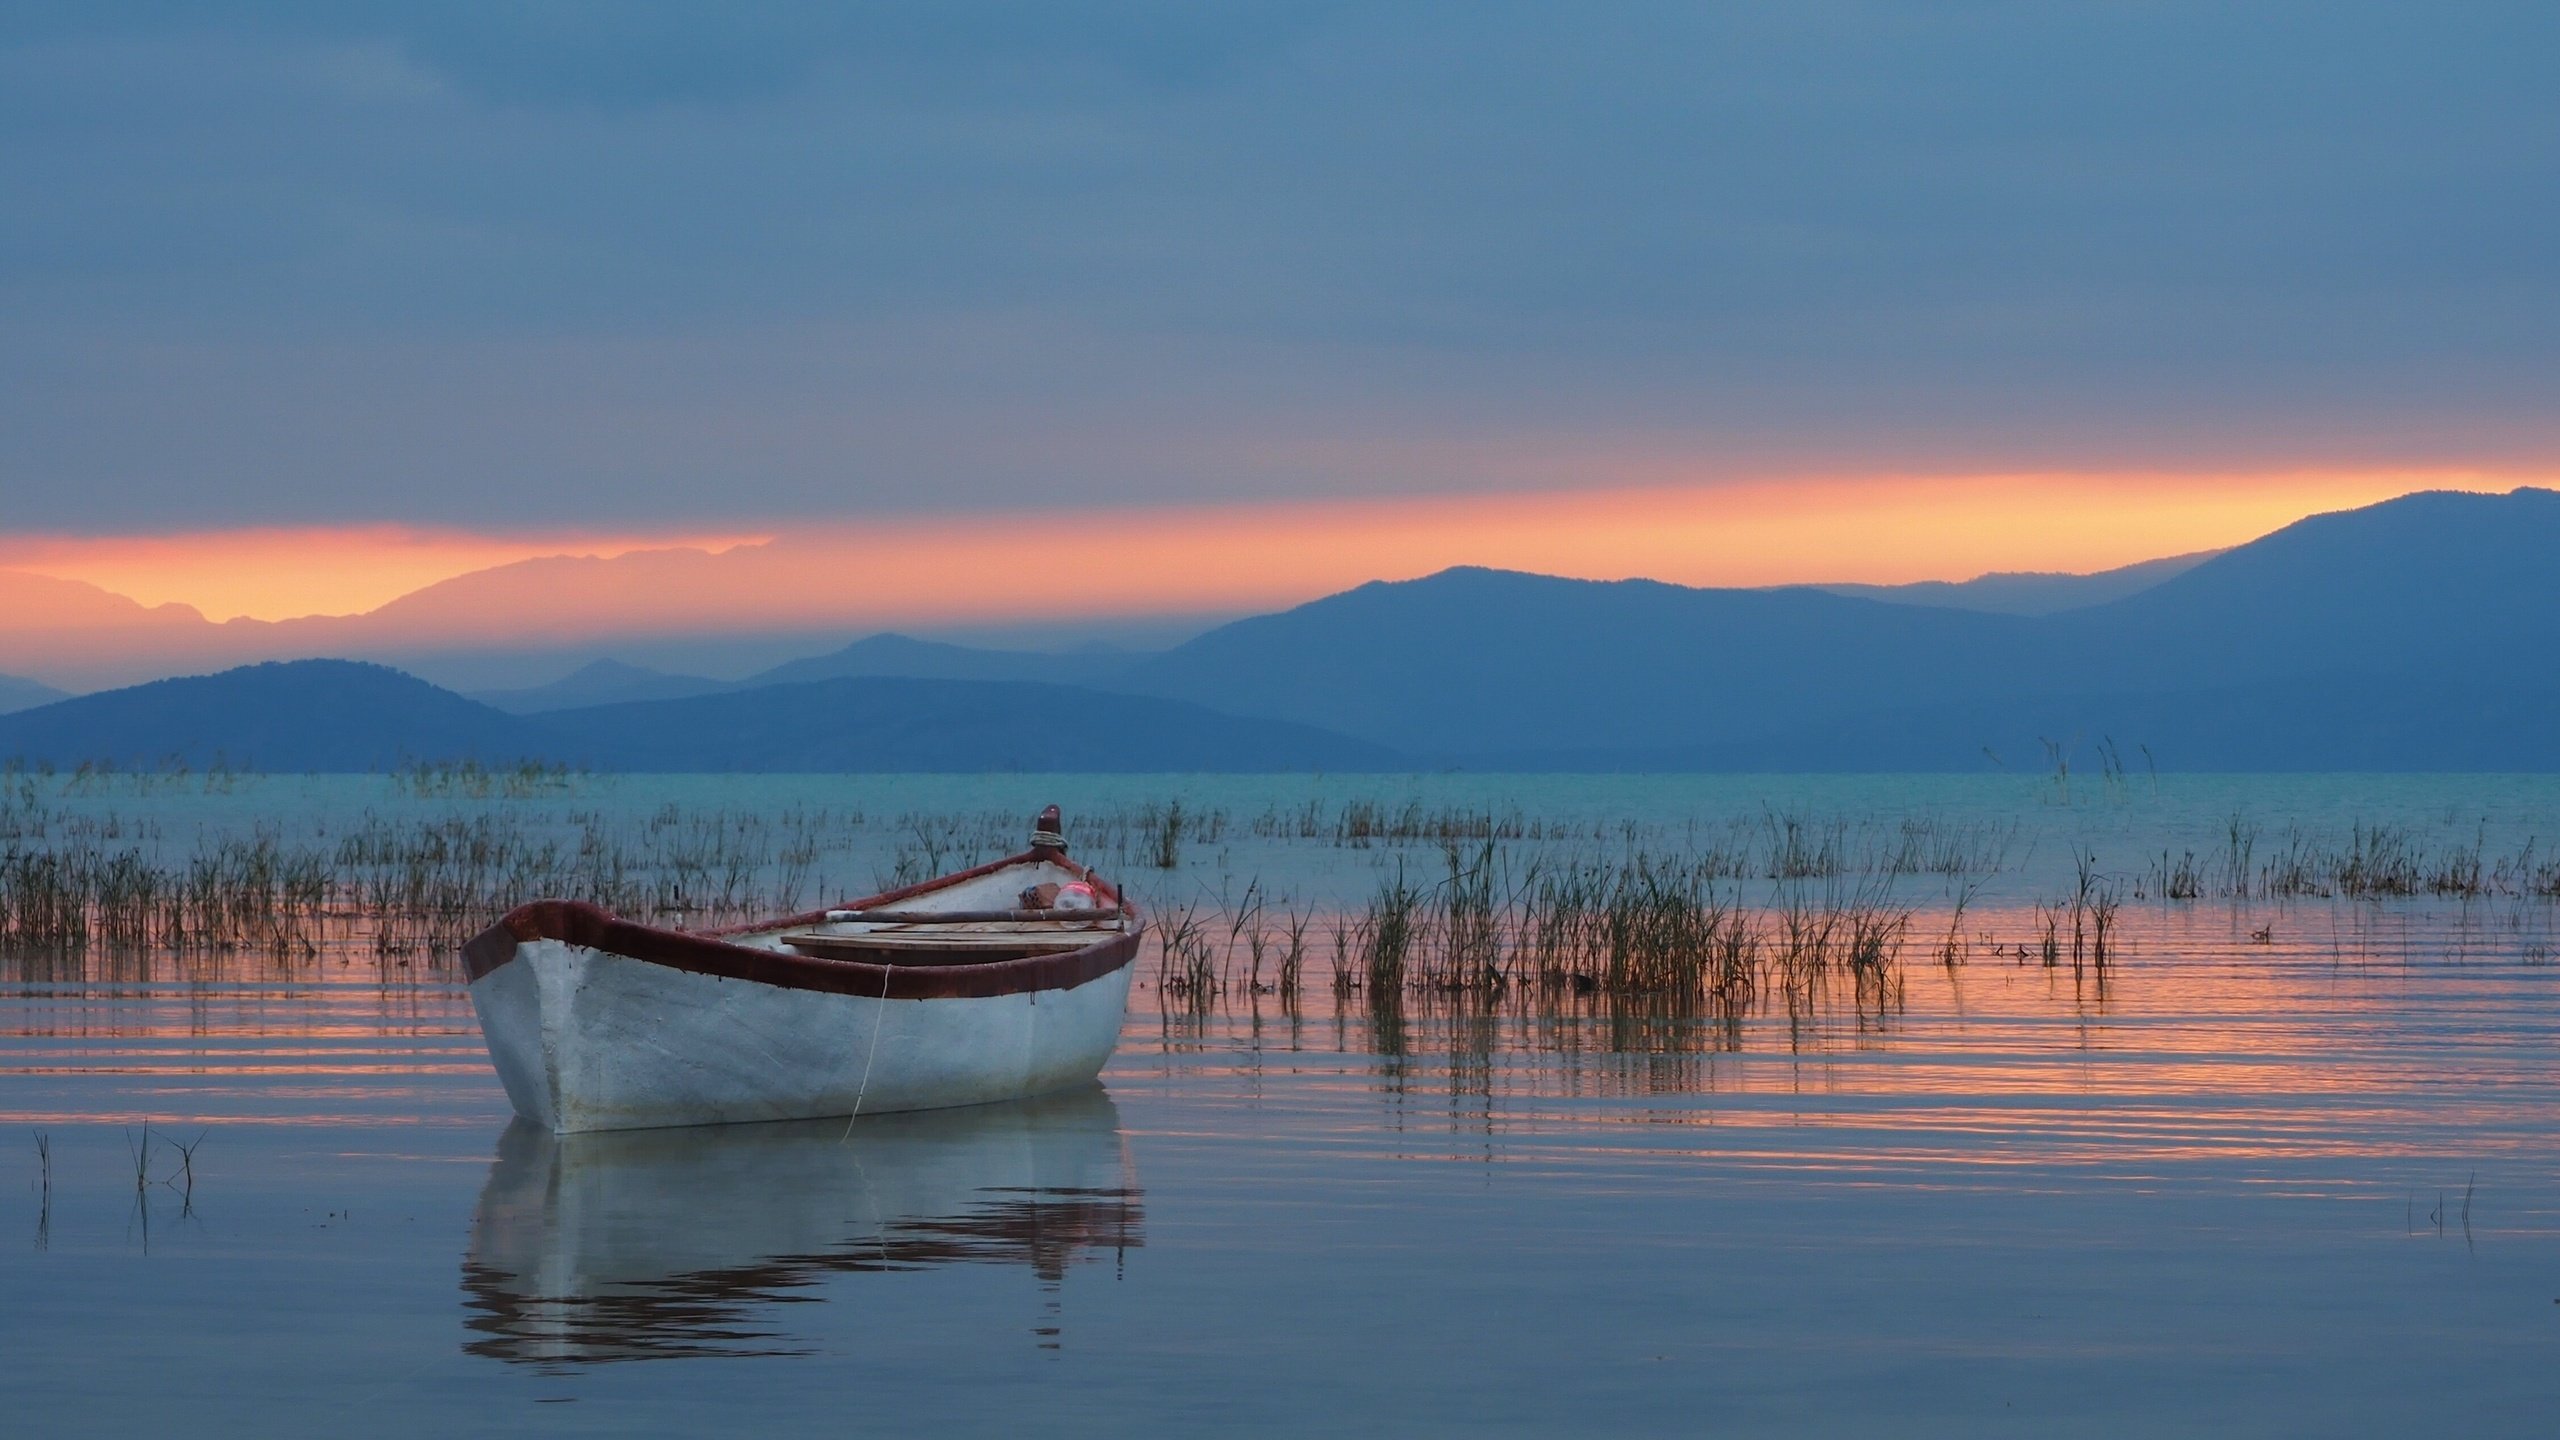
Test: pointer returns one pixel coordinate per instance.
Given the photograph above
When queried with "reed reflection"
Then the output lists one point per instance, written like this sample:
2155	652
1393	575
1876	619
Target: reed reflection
657	1244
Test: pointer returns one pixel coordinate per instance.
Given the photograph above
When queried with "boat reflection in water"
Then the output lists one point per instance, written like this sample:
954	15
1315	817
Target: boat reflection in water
652	1244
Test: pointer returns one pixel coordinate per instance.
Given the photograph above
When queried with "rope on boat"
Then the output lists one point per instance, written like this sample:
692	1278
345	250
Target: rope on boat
1046	834
869	1054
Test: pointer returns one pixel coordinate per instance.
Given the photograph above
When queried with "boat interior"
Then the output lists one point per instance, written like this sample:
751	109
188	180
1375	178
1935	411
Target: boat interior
1037	907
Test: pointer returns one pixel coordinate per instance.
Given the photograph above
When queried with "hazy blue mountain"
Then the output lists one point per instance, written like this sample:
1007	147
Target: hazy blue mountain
603	682
891	654
17	694
302	715
456	629
2030	592
2415	634
2428	585
339	716
902	724
1470	661
2409	635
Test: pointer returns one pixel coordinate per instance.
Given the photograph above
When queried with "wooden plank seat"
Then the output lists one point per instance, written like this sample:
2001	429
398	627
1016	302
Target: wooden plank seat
945	948
971	917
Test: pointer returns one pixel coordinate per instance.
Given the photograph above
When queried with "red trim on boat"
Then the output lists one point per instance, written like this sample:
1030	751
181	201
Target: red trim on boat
709	953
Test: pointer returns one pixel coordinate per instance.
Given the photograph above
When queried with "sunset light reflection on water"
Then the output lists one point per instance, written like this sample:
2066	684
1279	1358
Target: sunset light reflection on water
2150	1195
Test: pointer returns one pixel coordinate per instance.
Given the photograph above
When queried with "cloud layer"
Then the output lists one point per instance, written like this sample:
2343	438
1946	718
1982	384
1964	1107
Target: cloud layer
597	266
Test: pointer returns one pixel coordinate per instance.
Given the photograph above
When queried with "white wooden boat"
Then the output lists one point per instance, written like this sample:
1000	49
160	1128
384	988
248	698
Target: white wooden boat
998	982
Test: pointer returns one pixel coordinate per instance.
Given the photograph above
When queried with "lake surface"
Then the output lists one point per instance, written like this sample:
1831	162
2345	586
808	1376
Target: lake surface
2286	1166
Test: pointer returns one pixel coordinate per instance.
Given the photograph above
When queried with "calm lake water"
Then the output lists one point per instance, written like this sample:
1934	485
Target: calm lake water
2288	1166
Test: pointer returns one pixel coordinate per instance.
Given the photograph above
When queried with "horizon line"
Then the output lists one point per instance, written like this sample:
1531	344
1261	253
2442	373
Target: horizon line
1059	571
271	574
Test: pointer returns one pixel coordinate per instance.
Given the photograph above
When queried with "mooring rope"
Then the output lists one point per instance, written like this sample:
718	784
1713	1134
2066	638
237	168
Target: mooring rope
868	1055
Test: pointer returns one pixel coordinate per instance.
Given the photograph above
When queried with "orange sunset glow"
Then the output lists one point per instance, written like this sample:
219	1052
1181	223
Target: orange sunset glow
1031	564
283	572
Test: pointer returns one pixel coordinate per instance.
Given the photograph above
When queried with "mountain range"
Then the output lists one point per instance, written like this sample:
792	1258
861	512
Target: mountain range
887	655
2031	592
2413	634
2416	634
345	716
17	694
513	631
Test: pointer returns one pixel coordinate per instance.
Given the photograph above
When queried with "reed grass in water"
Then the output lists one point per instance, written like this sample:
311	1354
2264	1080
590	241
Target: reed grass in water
1469	901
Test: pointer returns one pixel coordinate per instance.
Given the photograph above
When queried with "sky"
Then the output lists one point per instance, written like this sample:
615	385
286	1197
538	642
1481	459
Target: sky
303	305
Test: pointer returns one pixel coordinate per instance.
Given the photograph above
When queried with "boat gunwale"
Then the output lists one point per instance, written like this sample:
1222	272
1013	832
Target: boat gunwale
715	952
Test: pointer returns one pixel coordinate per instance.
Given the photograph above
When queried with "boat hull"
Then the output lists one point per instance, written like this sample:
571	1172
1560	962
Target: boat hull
586	1039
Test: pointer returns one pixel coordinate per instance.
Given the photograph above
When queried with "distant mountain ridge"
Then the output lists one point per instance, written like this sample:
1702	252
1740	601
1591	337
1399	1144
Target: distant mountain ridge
672	601
2421	586
892	654
2415	634
2277	654
887	655
865	723
517	628
2030	592
599	682
17	694
301	715
326	716
1472	662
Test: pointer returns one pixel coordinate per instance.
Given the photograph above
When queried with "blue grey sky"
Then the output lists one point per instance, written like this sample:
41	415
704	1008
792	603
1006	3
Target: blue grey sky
671	263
